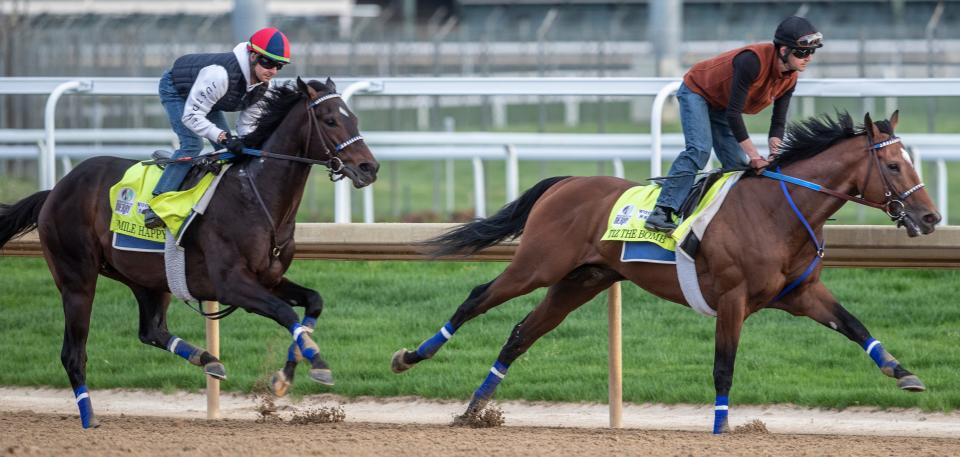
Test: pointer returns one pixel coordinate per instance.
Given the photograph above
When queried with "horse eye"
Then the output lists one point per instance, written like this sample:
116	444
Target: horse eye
330	122
893	167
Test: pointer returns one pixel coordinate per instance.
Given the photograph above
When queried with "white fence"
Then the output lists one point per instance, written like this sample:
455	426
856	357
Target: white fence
661	88
445	147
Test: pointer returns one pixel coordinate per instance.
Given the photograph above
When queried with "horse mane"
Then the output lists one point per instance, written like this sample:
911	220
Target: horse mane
807	138
277	102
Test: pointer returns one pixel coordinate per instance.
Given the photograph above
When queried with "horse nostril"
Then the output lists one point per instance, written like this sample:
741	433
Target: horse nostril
369	167
931	218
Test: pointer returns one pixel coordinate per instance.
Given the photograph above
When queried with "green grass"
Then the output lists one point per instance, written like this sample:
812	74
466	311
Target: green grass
374	308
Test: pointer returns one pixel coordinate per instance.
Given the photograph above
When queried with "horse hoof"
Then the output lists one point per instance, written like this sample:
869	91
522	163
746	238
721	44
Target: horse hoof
397	365
279	384
215	370
911	383
322	375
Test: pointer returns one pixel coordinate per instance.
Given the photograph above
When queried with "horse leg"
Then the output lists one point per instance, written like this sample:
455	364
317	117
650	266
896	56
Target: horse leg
575	289
77	306
513	282
73	261
153	331
731	312
819	304
296	295
238	287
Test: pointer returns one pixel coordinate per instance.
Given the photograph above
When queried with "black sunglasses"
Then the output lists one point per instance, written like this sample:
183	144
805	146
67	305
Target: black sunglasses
803	53
269	64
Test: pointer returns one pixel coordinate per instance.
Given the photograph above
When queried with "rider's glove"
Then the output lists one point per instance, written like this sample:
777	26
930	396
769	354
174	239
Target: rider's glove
234	144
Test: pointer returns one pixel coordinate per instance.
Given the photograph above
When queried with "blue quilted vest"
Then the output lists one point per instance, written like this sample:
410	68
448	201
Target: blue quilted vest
186	68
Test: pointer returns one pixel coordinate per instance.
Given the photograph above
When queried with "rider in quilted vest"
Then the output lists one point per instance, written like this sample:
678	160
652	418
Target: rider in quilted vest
713	98
199	88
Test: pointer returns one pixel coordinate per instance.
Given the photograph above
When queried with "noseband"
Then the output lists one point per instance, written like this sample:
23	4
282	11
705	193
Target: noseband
333	163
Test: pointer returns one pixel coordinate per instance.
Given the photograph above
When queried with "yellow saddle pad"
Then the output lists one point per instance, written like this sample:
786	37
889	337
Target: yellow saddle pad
631	210
131	197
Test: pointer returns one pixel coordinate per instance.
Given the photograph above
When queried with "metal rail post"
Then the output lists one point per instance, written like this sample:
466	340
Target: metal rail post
341	189
47	168
656	127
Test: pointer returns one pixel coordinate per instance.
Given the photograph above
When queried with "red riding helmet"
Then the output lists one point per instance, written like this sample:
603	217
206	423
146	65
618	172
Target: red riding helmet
270	43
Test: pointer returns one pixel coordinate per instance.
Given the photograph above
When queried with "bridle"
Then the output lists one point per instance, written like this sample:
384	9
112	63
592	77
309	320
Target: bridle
893	200
333	163
893	204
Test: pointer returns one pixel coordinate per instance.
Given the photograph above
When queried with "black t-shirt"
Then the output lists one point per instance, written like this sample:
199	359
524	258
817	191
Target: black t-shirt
746	67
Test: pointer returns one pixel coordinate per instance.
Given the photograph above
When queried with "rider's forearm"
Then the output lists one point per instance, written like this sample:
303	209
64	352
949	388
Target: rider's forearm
749	148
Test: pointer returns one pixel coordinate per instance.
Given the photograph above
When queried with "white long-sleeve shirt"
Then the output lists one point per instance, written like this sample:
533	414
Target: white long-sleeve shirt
210	86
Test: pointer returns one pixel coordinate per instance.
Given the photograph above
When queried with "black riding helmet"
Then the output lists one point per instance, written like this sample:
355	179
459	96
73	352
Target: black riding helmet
797	33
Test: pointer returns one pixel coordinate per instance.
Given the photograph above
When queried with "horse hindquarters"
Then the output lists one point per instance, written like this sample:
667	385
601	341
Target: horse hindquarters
550	216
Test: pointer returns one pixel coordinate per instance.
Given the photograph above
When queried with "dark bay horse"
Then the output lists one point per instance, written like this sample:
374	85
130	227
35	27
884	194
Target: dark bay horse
237	253
755	247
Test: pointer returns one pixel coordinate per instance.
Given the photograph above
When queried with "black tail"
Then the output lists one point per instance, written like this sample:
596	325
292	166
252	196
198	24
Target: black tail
481	233
20	217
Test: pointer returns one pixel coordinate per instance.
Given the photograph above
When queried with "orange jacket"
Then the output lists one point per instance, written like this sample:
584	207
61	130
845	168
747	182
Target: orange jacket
712	79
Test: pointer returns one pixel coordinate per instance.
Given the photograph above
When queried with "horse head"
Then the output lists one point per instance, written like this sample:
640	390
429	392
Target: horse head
334	136
899	186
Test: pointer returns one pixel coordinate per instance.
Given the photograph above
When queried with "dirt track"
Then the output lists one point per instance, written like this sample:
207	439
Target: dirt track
43	423
47	434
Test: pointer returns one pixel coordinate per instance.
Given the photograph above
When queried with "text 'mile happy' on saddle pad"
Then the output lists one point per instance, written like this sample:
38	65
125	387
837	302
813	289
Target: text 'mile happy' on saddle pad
631	210
130	197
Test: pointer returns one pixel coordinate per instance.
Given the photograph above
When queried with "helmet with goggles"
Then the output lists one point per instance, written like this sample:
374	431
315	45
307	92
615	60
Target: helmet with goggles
797	33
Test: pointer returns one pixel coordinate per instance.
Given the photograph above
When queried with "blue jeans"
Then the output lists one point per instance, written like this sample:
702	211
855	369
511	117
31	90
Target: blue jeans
702	128
190	144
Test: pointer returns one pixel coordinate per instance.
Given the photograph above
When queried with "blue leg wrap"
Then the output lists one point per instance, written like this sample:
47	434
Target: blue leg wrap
720	409
497	372
86	408
430	347
299	333
184	349
292	352
875	350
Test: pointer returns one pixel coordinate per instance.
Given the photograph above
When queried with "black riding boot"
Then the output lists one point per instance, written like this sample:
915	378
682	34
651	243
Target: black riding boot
151	220
660	220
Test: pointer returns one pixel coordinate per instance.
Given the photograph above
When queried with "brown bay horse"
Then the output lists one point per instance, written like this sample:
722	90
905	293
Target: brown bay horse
237	253
756	246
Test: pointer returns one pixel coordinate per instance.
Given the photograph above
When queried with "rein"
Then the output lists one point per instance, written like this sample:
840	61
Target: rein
887	206
334	164
893	201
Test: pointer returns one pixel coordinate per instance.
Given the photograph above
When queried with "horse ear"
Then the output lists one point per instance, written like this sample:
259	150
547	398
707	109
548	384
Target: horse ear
869	127
894	119
331	85
305	88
